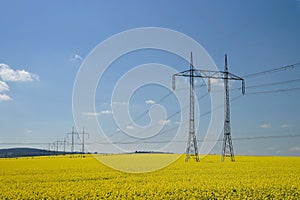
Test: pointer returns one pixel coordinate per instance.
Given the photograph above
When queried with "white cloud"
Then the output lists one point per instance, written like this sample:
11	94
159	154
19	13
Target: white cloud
164	122
76	57
103	112
90	113
105	104
294	149
106	112
289	150
120	103
130	127
271	148
216	82
285	126
265	126
29	131
5	97
3	86
8	74
150	101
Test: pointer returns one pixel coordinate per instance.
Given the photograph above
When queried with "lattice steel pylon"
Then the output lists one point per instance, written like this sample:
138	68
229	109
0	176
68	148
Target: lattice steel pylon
227	148
192	147
73	133
83	140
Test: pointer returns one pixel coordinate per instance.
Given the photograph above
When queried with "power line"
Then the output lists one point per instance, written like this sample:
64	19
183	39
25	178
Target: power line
268	91
147	111
219	107
158	102
218	140
268	137
248	94
168	118
272	84
262	85
278	69
274	91
177	112
248	87
167	141
142	114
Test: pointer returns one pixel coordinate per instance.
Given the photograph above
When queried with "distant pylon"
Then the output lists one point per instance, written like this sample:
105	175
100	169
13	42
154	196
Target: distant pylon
82	140
227	149
73	133
64	143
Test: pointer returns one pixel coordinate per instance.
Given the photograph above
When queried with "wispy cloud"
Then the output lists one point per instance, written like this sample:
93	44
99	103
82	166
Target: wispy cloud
285	126
216	82
5	97
150	101
76	57
289	150
106	112
29	131
102	112
271	148
3	86
164	122
90	113
129	127
265	126
294	149
123	103
9	74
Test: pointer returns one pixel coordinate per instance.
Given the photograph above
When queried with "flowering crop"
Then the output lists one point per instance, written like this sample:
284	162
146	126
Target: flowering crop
65	177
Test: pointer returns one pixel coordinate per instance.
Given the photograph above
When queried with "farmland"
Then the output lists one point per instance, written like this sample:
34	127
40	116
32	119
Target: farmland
66	177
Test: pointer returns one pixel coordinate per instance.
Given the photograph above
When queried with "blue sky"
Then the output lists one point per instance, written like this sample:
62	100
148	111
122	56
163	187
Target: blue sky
43	44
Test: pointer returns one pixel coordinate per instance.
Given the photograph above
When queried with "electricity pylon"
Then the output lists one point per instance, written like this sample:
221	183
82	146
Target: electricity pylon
82	140
192	148
64	143
227	148
73	133
58	143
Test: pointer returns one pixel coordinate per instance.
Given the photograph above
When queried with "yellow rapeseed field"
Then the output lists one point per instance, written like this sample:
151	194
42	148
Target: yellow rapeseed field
66	177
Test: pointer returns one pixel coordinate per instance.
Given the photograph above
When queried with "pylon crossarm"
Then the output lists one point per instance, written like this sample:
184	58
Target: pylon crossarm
209	74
